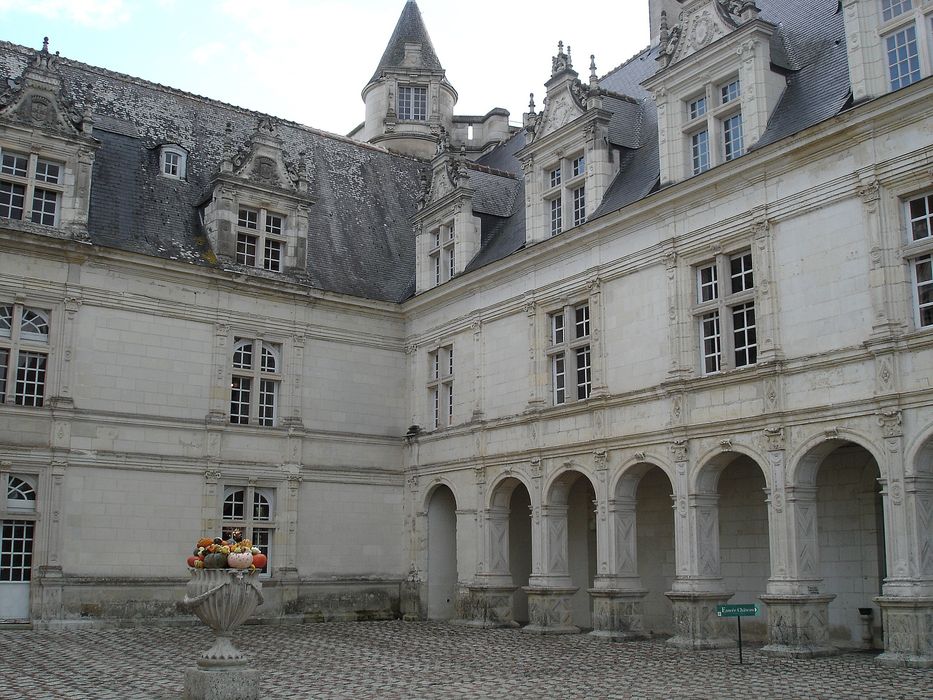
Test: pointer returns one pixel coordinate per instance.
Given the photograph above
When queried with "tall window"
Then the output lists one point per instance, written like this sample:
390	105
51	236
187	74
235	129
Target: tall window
251	510
30	188
260	238
412	103
907	36
565	193
24	354
256	378
568	352
441	386
713	126
442	253
920	256
725	313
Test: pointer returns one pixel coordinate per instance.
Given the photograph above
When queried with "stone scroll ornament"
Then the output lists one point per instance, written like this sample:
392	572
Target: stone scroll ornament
224	591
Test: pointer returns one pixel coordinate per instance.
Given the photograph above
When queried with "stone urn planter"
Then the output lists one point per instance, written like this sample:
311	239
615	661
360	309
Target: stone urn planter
223	599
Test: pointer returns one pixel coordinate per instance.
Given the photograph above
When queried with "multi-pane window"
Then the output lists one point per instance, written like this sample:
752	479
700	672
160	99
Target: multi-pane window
412	103
726	315
565	194
732	137
255	382
260	240
557	215
251	510
568	353
699	151
441	386
892	8
696	108
579	205
730	91
173	161
30	188
907	41
919	213
903	57
442	253
24	354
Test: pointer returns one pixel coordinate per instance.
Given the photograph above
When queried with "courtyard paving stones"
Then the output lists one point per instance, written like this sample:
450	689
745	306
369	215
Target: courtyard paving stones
396	660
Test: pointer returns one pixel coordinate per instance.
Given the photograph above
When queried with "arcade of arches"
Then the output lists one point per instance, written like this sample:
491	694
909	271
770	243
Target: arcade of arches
650	546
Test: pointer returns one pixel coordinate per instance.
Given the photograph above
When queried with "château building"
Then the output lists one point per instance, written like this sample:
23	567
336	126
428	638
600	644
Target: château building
666	343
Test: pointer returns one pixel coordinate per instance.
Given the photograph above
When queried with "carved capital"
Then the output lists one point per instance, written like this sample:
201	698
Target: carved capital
890	422
679	450
212	475
774	438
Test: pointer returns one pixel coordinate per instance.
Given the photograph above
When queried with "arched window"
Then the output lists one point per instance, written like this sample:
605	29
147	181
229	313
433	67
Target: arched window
23	360
254	387
34	326
257	523
6	321
20	494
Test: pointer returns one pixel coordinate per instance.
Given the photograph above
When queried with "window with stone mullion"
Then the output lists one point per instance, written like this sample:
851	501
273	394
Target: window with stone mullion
441	387
731	305
255	382
251	510
27	178
568	353
24	339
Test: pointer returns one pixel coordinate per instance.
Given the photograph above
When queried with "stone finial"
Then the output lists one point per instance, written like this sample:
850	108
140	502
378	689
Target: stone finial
45	44
561	61
531	103
594	79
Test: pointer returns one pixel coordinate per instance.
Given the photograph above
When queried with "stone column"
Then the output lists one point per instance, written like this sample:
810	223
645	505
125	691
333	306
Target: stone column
798	614
698	588
488	601
49	578
537	363
597	323
550	588
617	595
907	594
479	369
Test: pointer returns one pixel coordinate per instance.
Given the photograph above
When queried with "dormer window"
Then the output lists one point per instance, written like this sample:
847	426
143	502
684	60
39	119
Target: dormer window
724	121
565	197
412	103
730	91
907	36
260	241
29	179
173	162
443	264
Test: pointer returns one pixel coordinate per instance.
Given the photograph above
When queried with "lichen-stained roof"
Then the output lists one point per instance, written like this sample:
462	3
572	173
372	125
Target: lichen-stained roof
360	239
410	29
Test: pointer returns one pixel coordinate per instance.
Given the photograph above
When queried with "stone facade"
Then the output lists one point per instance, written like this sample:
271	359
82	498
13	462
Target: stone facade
707	388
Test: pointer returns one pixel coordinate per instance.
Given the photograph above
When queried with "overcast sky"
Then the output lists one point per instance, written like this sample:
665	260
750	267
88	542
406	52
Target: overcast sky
308	60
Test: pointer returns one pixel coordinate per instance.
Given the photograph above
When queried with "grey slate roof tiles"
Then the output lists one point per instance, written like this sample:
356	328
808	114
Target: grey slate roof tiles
361	240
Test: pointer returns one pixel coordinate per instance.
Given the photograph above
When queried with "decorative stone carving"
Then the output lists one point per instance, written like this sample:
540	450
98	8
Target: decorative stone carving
679	450
773	438
890	422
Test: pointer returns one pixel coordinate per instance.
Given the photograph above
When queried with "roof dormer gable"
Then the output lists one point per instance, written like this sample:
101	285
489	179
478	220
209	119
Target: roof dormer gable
565	100
700	23
262	163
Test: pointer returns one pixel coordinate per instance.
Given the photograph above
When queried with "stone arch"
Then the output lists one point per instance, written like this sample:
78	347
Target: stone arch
920	453
442	559
436	483
503	485
705	477
558	486
626	479
806	460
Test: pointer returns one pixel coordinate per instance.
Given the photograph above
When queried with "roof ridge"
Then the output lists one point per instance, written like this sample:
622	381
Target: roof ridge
74	63
472	165
626	62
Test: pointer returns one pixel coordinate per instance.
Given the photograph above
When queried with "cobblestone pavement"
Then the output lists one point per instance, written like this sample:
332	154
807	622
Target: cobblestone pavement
427	660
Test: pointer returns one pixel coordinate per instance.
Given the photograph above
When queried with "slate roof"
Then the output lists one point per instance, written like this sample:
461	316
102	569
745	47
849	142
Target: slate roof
409	29
360	239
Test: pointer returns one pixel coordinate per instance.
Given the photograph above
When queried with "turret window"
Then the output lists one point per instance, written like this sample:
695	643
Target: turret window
412	103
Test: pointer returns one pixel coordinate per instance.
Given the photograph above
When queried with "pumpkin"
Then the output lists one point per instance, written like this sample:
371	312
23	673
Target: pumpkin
215	560
239	560
191	560
204	542
259	560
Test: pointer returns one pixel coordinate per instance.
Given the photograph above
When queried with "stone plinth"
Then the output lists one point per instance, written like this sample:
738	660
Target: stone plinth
617	614
696	625
485	606
908	631
798	626
223	599
550	610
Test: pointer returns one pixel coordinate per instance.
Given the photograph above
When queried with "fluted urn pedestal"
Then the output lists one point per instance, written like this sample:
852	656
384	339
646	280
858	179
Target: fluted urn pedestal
223	599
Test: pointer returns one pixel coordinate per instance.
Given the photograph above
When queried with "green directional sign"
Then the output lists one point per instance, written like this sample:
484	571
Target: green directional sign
741	610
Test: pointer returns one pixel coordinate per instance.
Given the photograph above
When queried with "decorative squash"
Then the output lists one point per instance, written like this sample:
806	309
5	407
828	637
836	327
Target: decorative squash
239	560
205	541
215	560
191	560
259	560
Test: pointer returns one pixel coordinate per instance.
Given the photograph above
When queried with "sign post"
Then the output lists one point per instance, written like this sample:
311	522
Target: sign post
738	612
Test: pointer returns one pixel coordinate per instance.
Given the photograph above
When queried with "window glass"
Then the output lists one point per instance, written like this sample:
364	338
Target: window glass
892	8
903	57
921	217
697	108
730	91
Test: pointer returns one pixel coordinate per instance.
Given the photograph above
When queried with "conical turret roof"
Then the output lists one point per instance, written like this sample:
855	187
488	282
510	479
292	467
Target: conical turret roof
409	30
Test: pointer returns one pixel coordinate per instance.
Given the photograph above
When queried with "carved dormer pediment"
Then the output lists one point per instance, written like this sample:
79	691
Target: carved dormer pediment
700	23
566	96
36	99
262	163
